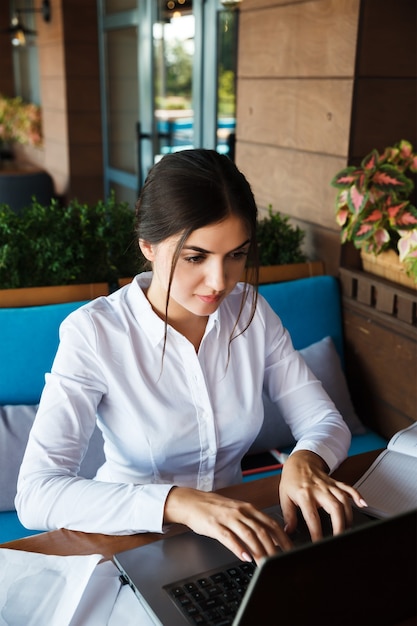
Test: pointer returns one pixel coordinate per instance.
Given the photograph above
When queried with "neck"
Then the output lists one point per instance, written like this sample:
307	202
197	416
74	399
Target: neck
191	326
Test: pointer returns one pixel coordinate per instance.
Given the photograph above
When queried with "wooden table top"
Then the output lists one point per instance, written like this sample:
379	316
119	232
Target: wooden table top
262	493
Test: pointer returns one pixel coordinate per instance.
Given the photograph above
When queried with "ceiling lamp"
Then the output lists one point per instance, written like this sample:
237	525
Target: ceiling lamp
17	29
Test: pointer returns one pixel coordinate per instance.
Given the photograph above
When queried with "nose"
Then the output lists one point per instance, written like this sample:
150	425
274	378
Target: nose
216	276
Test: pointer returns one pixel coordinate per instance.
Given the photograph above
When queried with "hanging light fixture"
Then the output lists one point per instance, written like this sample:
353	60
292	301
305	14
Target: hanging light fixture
18	31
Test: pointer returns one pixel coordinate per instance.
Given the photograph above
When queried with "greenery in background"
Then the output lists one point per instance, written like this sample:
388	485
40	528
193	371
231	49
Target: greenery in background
75	244
279	242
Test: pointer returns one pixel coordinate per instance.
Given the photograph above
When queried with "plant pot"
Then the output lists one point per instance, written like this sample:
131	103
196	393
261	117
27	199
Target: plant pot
292	271
36	296
124	281
387	265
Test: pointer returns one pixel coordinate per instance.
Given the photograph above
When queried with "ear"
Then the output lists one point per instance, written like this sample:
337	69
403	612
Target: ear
147	250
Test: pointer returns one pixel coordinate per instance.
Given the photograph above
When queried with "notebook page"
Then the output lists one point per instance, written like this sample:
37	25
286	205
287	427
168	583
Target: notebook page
405	441
389	486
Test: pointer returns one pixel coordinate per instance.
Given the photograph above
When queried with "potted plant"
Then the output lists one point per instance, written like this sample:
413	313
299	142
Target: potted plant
20	122
280	250
74	245
374	210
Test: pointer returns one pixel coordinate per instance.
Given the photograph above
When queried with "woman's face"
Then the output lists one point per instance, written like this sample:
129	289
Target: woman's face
210	264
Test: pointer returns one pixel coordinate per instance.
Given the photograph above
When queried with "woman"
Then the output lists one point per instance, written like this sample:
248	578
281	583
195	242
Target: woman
172	367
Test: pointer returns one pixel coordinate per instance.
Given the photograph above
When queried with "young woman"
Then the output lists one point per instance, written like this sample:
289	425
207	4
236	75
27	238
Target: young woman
172	369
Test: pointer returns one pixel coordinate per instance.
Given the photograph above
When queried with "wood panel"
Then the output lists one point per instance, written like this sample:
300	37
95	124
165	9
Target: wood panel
309	114
388	39
6	64
296	66
385	92
294	182
384	112
380	328
313	39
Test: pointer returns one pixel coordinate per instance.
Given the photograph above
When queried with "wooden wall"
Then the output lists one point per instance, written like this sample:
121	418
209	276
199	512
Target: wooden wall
70	92
296	65
70	96
320	83
83	99
6	65
385	91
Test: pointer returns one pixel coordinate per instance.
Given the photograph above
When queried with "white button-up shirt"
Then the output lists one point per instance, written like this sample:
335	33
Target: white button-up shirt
183	419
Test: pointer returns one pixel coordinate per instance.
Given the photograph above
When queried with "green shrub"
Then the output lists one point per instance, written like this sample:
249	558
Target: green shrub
74	244
279	242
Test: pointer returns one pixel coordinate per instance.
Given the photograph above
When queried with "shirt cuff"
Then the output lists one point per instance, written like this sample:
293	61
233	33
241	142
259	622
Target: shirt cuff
150	507
321	450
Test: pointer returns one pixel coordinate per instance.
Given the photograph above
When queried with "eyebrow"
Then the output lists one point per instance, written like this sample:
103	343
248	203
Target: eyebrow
203	251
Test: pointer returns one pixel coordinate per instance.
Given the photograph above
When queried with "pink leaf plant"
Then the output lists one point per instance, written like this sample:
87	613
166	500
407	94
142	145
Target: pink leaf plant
373	205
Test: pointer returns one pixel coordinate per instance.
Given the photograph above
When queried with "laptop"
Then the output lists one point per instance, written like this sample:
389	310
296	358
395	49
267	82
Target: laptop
366	575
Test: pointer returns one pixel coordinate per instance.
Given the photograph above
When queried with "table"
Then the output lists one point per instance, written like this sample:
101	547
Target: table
262	493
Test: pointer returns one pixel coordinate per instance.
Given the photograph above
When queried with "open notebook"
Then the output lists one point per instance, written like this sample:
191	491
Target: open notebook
366	575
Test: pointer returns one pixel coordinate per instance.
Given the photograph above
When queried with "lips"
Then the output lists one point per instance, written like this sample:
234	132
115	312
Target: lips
210	299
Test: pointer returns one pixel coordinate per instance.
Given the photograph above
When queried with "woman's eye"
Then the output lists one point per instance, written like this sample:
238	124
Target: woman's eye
239	254
194	259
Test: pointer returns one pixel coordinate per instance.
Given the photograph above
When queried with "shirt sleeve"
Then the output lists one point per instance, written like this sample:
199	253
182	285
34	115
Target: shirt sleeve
315	422
50	494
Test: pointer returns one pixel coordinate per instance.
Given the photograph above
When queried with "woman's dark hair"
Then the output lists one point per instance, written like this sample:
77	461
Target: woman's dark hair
188	190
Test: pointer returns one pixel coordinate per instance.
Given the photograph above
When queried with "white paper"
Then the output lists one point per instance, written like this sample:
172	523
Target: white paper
107	602
43	590
389	486
39	589
99	597
128	611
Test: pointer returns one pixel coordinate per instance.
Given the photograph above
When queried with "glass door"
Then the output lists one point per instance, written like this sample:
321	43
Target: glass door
174	51
168	83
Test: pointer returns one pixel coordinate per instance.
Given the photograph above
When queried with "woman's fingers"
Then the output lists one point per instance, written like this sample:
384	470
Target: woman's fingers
305	484
259	534
246	531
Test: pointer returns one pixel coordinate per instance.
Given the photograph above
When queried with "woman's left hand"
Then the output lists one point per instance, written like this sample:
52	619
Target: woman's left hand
306	484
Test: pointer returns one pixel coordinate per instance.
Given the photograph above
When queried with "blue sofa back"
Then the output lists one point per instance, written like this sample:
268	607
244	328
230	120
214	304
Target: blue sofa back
28	343
310	308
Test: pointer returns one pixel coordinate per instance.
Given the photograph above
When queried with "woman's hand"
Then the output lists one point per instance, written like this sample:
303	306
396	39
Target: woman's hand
247	532
306	484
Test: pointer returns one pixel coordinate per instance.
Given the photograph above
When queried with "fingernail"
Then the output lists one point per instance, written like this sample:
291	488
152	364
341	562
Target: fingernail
286	528
246	557
362	502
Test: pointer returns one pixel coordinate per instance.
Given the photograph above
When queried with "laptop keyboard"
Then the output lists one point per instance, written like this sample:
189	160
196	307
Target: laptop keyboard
212	598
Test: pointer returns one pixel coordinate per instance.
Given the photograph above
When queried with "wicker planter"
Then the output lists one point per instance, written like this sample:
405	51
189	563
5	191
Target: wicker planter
387	265
36	296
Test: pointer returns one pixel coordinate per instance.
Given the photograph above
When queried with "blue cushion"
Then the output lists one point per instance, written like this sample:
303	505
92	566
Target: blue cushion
366	442
310	308
11	528
28	343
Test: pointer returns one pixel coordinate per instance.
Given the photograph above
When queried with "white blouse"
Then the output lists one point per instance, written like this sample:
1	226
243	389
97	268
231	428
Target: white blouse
185	419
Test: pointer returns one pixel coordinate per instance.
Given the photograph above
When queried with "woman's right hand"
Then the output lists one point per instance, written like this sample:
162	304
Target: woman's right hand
246	531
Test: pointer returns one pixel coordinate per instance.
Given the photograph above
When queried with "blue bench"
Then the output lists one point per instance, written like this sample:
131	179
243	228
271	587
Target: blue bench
310	308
